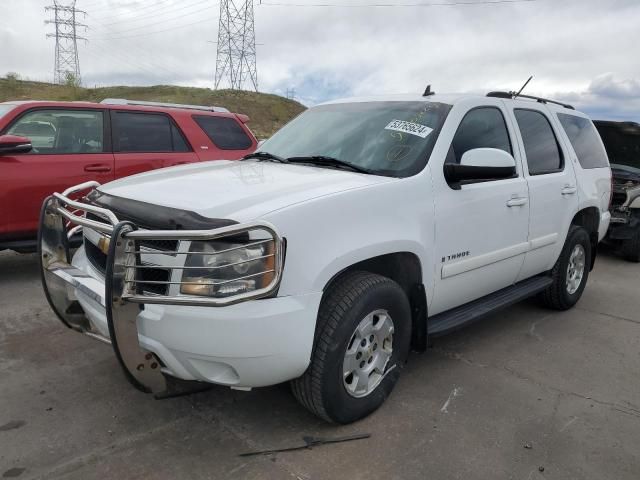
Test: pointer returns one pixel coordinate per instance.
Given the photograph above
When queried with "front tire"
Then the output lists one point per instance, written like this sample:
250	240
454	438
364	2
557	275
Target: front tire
361	345
570	272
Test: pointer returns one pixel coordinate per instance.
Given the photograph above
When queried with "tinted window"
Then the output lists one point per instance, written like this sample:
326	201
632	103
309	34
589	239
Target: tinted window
146	132
540	143
480	128
584	140
61	131
224	132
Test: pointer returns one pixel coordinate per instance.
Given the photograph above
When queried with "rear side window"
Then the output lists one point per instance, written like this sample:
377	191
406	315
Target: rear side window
584	140
480	128
540	144
146	132
224	132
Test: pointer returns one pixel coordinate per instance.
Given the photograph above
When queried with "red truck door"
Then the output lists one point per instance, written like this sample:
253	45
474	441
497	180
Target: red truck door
69	147
145	141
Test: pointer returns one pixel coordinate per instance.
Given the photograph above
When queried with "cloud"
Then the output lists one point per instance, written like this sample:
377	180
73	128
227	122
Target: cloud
579	49
608	97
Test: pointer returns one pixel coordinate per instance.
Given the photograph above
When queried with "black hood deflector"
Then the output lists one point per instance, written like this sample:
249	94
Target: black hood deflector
155	217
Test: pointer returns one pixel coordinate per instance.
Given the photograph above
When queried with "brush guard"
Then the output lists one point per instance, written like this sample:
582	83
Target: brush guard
121	294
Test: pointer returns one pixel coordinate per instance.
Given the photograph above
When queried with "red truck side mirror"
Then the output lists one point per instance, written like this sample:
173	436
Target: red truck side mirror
14	144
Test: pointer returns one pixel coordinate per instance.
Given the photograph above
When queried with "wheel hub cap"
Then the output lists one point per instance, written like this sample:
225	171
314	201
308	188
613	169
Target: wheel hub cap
575	269
368	353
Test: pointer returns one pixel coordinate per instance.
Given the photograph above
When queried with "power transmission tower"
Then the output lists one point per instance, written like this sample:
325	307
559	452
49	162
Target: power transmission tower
236	57
291	93
66	34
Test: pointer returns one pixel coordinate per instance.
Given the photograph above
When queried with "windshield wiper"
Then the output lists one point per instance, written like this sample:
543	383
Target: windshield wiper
265	156
330	161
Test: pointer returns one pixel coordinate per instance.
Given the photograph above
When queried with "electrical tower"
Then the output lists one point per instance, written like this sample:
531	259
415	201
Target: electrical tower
236	58
66	35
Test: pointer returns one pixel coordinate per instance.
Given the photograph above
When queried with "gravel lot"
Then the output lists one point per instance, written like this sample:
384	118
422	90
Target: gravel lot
525	394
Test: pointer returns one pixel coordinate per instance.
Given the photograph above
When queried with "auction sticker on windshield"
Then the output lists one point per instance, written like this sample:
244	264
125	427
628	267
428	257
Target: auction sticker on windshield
416	129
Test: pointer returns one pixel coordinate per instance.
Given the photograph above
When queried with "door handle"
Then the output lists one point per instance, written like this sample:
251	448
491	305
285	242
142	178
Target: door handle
97	168
517	202
569	190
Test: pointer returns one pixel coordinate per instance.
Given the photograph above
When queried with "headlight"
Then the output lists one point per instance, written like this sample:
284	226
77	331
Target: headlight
228	267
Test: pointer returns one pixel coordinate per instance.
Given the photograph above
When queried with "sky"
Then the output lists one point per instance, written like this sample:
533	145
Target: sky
580	51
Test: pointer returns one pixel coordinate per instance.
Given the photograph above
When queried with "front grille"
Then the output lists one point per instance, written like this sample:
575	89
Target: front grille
99	262
618	198
95	256
161	245
153	275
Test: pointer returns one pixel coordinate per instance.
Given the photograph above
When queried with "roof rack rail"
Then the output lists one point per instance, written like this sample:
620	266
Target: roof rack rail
124	101
513	95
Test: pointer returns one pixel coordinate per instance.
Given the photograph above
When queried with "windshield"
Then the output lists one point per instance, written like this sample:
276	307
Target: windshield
387	138
5	107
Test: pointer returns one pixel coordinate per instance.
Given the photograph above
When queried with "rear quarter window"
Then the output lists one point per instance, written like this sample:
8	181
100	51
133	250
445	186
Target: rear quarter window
224	132
585	141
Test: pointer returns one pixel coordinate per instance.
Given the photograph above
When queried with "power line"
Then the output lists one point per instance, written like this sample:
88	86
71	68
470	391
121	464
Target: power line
236	54
391	5
67	63
160	13
111	8
158	22
177	27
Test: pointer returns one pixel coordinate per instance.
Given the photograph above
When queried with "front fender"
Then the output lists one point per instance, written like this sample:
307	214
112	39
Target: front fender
327	235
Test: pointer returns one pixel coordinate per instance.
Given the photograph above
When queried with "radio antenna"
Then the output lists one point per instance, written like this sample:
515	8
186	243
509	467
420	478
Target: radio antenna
523	87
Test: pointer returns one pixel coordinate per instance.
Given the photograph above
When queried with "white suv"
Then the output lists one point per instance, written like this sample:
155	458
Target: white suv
362	228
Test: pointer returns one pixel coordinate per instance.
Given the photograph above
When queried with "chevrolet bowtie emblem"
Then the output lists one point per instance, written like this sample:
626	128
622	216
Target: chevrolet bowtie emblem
103	245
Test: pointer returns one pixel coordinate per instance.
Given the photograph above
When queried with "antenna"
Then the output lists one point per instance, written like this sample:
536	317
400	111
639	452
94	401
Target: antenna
523	87
428	92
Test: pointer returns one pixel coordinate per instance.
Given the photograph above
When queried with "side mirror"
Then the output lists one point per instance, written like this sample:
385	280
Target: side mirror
480	164
14	144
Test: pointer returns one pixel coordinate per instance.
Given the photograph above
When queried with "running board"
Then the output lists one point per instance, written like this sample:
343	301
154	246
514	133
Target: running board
456	318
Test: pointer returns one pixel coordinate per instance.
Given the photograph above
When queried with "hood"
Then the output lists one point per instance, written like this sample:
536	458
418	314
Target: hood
624	173
239	190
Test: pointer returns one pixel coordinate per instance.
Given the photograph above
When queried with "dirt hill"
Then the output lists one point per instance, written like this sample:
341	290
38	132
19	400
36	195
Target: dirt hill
267	112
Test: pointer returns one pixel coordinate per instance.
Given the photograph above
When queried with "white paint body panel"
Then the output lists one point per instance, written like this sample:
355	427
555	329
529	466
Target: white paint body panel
334	219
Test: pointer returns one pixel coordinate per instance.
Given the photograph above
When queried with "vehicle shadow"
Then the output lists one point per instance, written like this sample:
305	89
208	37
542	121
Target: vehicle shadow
15	267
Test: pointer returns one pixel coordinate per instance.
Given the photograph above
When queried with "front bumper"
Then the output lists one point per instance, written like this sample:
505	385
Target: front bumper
250	344
156	339
624	225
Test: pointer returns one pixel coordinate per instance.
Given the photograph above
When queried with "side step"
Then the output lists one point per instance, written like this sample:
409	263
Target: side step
454	319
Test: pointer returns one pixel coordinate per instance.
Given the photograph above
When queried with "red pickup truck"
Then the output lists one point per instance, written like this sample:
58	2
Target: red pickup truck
49	146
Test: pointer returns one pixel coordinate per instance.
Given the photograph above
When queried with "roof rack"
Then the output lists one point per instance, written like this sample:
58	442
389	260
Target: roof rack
124	101
514	95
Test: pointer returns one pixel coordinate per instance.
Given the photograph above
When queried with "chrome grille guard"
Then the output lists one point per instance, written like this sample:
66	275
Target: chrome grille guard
122	292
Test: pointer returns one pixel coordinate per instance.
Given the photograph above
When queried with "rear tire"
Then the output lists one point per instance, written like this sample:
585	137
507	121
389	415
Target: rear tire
364	318
571	271
631	248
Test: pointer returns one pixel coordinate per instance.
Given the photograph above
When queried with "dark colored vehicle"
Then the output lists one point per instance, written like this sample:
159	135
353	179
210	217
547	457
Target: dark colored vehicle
622	141
50	146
